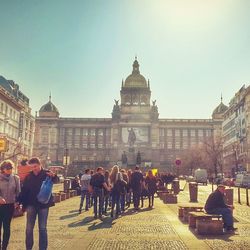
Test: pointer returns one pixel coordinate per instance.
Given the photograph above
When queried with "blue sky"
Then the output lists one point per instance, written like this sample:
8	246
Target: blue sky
191	50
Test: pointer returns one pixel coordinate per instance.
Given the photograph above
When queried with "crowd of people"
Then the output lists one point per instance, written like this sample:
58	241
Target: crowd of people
116	190
106	191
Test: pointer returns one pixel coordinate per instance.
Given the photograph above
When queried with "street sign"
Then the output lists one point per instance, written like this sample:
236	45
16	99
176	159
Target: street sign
178	162
4	143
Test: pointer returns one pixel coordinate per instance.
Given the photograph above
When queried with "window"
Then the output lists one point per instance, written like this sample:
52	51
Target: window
100	145
44	135
177	145
208	133
192	133
92	145
169	132
100	132
200	133
85	145
162	132
85	132
92	132
170	145
185	144
184	133
177	132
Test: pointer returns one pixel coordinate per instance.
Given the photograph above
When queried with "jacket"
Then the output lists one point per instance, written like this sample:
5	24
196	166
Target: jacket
30	189
9	188
215	200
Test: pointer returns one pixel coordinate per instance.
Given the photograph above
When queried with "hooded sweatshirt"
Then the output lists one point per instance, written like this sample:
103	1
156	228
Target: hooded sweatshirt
9	188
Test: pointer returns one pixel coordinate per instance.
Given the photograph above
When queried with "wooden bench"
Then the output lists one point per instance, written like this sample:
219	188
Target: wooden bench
209	225
63	195
185	209
194	216
162	193
57	197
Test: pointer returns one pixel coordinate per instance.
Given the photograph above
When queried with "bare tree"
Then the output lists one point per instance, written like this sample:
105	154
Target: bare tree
213	148
194	158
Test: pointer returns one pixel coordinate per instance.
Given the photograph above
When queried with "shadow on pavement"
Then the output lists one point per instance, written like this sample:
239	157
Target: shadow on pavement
68	216
224	237
104	224
83	222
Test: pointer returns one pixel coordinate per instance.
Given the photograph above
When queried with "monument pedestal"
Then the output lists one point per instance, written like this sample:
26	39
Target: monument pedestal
131	157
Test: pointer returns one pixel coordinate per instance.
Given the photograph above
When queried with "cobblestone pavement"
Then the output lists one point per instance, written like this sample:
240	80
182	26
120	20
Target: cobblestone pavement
158	228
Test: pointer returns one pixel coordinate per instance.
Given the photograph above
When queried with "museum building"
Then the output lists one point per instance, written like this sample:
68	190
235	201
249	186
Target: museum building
134	127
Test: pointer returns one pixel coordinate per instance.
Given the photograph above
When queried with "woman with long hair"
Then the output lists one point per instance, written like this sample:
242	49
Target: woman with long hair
129	190
106	192
151	182
113	174
9	190
119	188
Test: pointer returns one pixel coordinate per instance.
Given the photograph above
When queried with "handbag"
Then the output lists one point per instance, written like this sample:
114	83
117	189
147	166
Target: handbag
45	191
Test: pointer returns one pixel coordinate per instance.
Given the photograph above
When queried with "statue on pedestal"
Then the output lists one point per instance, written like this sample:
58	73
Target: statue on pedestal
124	158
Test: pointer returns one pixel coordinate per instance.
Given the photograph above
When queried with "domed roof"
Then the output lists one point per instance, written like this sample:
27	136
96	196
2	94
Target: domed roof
220	109
49	107
135	80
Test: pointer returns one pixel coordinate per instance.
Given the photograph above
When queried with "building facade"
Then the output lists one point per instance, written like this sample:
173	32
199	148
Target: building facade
235	127
16	122
134	133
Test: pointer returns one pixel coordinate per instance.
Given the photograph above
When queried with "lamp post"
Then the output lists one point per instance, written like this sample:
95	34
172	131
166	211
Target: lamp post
66	161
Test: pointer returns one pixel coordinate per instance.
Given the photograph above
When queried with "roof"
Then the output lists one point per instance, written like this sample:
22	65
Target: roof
49	107
220	109
135	80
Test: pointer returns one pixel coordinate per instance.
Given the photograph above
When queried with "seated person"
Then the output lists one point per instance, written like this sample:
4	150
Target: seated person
215	204
75	185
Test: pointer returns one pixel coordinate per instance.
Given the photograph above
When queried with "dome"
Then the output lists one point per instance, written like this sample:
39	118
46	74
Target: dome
220	109
49	107
135	80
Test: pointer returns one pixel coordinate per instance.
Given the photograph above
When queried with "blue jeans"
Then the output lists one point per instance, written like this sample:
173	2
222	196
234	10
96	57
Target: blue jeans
226	215
84	193
123	198
136	198
98	200
42	214
116	203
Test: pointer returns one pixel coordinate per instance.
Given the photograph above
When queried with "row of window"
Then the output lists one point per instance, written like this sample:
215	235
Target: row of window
185	132
9	112
85	131
179	145
90	145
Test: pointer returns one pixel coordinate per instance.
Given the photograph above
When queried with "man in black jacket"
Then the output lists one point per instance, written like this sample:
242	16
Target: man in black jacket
28	198
215	204
136	185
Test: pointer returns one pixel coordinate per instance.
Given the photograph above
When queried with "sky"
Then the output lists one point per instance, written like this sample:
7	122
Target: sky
190	50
